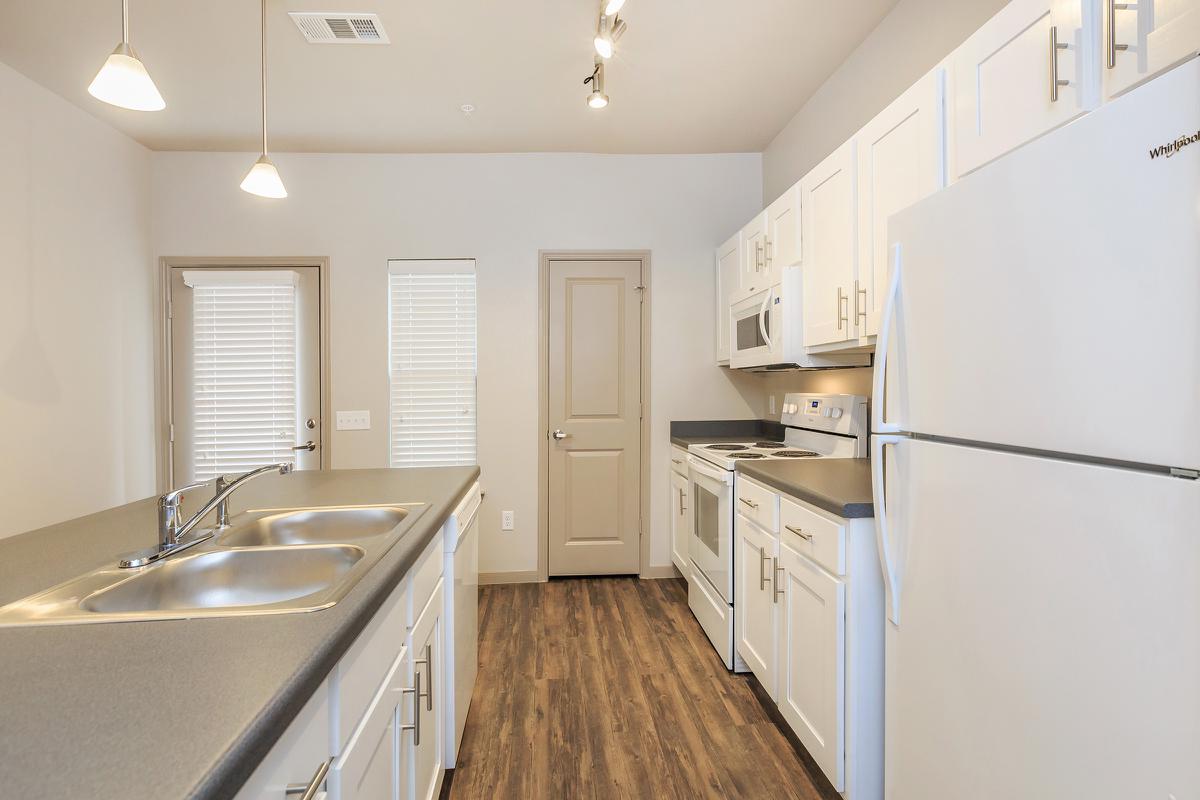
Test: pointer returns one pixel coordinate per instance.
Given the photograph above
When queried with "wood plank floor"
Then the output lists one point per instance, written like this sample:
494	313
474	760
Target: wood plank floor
607	688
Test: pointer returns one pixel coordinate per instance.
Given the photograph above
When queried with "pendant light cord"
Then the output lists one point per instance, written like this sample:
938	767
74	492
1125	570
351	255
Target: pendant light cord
263	54
125	22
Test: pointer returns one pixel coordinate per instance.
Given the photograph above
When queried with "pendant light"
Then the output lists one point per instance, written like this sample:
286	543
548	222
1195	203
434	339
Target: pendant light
263	178
123	80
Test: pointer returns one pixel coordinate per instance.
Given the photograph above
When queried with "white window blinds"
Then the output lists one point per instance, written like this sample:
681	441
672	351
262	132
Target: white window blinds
244	369
432	363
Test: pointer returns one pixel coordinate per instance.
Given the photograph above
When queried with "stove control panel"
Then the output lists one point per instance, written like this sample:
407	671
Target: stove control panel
835	413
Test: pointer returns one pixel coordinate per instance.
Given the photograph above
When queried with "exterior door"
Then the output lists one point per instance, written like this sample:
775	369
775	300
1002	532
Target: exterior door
829	206
756	603
595	401
1153	36
245	370
1002	95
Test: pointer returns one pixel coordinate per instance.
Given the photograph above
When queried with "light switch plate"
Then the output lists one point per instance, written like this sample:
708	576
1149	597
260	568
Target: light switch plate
354	420
507	520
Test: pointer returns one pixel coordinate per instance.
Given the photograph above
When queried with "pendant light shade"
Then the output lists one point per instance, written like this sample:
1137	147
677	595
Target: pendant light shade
123	80
263	178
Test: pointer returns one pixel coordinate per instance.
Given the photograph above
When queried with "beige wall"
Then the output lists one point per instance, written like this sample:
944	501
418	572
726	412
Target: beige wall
830	381
76	354
910	40
361	210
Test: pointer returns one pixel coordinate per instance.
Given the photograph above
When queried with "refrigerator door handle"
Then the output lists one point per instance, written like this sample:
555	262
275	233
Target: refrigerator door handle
887	558
882	342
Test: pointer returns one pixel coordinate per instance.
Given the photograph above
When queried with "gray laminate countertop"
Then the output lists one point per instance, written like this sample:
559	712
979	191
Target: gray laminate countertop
841	486
180	708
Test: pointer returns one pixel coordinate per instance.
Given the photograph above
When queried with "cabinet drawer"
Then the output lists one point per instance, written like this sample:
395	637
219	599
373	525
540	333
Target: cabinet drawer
813	534
679	460
425	576
363	669
757	503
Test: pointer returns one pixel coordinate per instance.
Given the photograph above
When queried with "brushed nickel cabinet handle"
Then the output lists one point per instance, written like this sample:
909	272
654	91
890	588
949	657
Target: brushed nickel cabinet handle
676	461
427	662
1110	60
1055	46
416	726
842	300
767	251
857	294
808	537
775	570
307	791
750	503
682	507
762	569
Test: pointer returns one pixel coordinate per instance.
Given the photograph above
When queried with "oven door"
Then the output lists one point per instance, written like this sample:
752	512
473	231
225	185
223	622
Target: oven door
711	542
754	327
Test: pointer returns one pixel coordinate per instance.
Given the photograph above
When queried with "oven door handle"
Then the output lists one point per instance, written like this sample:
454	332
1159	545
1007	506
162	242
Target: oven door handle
708	470
762	317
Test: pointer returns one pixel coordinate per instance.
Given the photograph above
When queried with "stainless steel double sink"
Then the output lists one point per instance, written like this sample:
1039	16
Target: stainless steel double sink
269	561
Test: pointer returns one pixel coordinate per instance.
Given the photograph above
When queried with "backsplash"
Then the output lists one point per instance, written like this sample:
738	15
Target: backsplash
843	381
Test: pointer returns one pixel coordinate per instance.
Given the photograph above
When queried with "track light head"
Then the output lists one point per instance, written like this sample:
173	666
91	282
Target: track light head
613	6
597	99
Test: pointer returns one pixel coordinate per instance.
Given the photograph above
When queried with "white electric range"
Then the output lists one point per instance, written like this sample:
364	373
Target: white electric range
815	426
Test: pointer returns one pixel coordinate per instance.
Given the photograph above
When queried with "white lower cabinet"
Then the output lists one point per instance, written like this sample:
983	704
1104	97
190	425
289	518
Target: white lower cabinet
812	692
377	728
809	625
681	517
429	710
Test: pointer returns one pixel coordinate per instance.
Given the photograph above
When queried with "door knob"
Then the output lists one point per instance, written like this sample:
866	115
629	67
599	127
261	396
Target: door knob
309	446
558	434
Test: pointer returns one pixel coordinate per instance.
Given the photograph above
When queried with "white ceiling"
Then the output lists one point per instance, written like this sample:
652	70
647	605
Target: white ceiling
690	76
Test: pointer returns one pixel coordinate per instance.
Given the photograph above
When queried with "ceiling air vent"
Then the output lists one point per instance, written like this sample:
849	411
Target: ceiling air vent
339	28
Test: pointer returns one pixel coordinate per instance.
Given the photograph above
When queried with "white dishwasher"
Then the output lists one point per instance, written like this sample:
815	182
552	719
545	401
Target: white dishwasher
462	609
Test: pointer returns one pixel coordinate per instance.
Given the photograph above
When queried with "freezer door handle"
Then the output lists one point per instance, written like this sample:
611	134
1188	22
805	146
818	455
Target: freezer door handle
887	559
882	341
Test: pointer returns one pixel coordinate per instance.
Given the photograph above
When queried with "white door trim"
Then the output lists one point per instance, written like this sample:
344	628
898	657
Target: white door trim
162	347
544	259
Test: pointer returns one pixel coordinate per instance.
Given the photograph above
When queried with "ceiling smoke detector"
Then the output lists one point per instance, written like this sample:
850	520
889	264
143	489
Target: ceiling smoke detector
339	28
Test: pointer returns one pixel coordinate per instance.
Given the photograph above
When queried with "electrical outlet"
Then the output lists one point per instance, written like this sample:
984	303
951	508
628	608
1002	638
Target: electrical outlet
354	420
772	402
507	520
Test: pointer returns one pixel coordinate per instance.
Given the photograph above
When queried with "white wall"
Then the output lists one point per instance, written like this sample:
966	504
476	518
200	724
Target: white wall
76	352
361	210
910	40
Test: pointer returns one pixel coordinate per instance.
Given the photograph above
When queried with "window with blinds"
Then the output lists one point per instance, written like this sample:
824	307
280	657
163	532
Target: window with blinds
244	341
432	363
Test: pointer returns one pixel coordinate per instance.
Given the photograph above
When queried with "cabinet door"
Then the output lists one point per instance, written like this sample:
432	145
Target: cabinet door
1001	80
829	207
729	276
900	161
756	602
813	678
1146	38
374	764
428	761
754	255
680	521
782	247
296	756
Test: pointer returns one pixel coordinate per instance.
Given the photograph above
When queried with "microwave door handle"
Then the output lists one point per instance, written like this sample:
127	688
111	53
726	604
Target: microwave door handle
762	318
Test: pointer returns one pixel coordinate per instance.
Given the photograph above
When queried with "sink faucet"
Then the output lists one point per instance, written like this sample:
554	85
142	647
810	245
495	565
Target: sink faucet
173	536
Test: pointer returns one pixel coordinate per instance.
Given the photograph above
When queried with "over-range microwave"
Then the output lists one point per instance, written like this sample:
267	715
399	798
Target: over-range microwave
766	330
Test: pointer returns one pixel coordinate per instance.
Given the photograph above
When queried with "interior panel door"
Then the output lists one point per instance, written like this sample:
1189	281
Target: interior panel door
595	398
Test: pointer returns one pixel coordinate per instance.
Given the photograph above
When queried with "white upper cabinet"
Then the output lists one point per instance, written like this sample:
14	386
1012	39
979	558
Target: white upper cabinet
754	254
729	276
828	202
782	246
901	159
1145	38
1028	70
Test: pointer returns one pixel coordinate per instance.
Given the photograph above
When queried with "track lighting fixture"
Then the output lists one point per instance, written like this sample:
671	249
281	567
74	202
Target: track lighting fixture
263	178
612	7
597	99
123	80
604	40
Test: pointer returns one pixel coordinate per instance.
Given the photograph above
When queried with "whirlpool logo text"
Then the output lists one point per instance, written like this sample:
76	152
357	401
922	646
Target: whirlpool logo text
1168	150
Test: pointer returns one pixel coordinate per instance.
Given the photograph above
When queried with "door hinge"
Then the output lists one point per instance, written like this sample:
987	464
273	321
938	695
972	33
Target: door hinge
170	309
1188	474
171	433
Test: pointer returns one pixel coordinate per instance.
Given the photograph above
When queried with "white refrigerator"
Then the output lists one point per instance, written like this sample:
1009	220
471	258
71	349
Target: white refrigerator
1035	458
